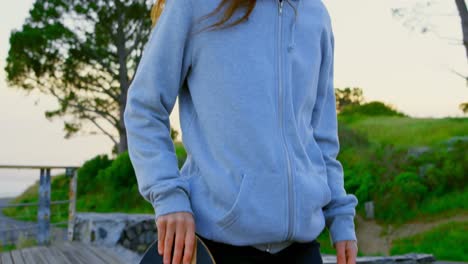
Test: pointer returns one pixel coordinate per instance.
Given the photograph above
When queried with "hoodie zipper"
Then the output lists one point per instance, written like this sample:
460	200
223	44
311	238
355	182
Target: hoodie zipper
280	106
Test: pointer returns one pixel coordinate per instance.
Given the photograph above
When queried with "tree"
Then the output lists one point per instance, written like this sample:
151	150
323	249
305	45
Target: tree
84	53
348	96
463	12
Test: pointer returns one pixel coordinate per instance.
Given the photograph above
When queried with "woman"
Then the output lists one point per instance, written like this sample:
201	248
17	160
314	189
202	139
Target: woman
261	180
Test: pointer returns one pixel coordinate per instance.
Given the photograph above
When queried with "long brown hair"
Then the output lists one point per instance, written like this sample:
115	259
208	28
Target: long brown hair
232	6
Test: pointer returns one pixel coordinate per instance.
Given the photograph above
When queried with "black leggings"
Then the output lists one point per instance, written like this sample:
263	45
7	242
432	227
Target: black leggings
296	253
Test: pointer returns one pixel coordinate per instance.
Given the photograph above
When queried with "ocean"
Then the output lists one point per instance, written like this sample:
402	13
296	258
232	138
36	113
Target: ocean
14	182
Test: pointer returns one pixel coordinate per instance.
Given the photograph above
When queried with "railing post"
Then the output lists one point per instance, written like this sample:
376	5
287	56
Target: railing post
73	173
43	212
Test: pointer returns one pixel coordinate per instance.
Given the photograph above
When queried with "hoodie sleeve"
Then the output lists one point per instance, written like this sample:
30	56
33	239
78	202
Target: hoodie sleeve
150	99
340	211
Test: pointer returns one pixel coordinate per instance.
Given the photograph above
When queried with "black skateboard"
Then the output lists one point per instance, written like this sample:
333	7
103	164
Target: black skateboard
202	254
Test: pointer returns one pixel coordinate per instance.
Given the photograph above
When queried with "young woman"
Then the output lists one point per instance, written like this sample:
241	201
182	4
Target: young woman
261	180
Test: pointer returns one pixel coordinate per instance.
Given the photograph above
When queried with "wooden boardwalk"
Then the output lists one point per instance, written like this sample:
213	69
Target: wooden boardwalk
66	253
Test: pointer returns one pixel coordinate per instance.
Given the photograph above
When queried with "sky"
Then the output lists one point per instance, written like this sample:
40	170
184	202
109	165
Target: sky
373	51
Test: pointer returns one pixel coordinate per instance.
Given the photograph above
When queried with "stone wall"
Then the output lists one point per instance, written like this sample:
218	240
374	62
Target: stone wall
139	236
132	231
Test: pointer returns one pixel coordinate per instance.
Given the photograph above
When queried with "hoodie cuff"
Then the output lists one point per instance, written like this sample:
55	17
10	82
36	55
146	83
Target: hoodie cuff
342	228
175	201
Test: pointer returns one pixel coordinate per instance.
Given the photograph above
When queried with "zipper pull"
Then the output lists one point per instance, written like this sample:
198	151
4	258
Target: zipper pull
281	7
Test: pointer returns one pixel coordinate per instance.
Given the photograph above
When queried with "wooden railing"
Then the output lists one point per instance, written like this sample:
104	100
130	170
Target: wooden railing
43	212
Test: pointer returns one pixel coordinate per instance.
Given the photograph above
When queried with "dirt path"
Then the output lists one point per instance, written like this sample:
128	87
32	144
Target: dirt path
372	242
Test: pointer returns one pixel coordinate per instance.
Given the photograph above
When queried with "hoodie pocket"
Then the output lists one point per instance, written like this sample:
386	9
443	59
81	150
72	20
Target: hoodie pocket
257	214
233	212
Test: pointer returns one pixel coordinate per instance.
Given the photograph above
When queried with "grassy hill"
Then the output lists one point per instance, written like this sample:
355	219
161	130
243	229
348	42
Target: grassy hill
407	132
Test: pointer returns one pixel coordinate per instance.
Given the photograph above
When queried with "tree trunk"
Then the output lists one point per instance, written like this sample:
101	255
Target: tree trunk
124	83
463	11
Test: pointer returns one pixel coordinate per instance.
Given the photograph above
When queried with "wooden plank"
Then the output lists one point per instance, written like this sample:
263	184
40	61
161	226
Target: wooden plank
36	254
17	257
78	253
87	253
84	253
27	255
6	258
106	255
59	256
70	254
46	254
66	253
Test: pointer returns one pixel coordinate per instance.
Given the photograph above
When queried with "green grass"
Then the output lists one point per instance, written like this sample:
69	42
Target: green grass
446	242
435	208
450	204
4	248
408	131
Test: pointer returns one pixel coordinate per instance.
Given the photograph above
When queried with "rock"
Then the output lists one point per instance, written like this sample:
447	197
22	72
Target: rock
148	225
415	152
453	140
139	228
126	243
130	233
102	233
141	239
150	237
141	248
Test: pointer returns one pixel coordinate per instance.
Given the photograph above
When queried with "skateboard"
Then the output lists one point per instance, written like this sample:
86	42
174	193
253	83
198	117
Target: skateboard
201	254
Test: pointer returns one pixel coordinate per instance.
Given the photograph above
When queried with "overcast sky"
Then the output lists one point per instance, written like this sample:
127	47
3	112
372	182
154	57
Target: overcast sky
374	51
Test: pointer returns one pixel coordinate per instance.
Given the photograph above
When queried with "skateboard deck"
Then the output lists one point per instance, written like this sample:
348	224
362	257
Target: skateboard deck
201	254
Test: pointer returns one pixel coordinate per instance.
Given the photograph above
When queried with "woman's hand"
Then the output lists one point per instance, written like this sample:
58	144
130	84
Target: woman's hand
346	251
180	225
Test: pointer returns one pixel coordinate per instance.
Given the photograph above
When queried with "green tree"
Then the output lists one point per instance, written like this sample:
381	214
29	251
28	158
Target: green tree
84	53
348	96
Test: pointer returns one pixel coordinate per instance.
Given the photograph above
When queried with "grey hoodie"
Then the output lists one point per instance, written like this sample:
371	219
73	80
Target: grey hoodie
258	119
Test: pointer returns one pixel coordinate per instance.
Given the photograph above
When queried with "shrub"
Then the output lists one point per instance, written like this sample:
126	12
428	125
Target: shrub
361	185
88	172
119	174
374	108
444	169
409	187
